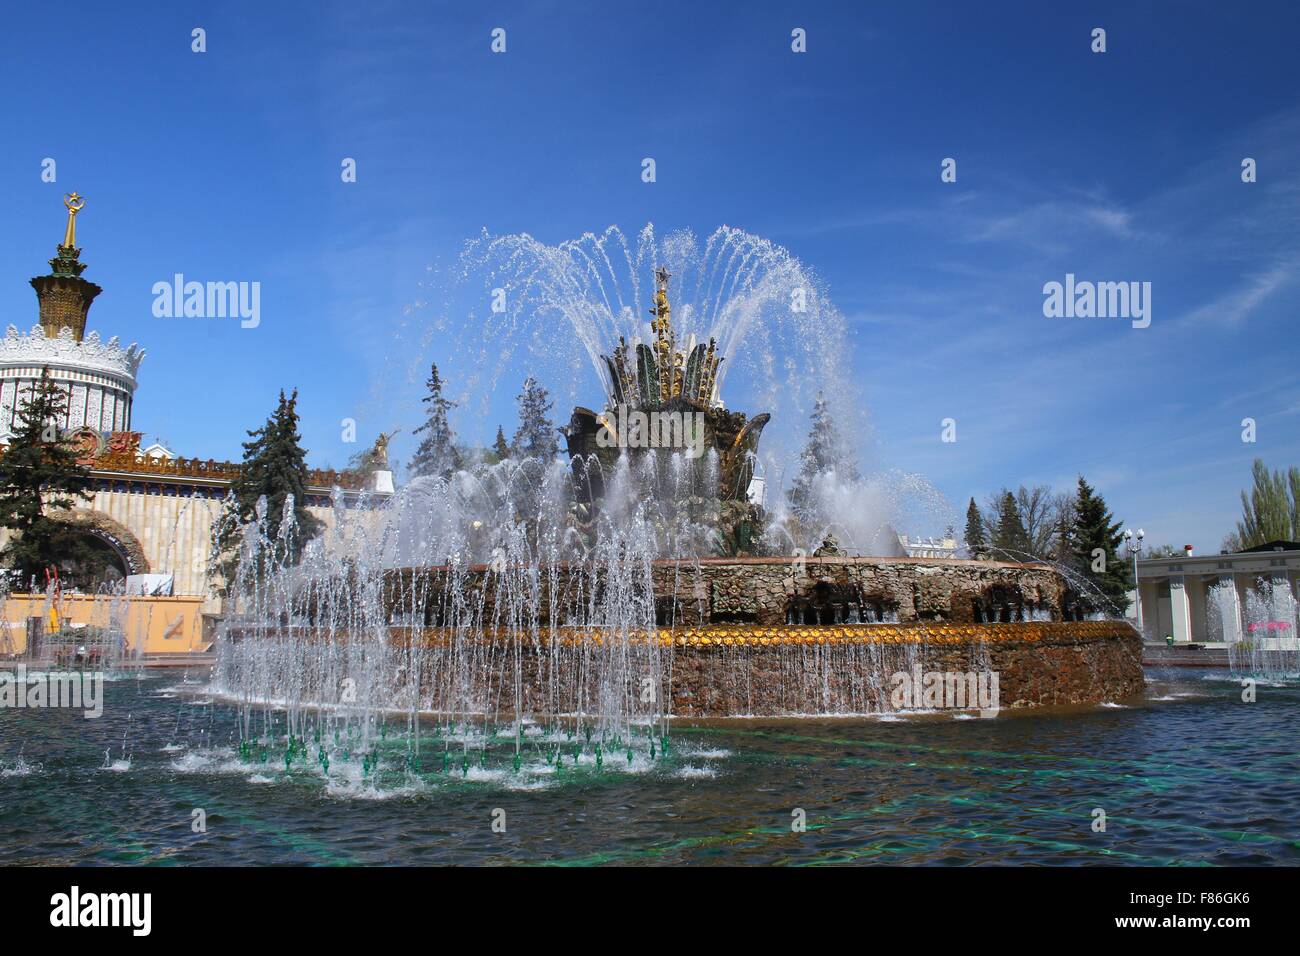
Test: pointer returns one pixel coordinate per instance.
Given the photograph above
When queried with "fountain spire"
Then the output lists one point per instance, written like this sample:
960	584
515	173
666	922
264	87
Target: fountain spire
662	326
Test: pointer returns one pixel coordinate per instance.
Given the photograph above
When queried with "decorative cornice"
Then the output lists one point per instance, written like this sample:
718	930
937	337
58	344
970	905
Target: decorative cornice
719	636
37	348
130	462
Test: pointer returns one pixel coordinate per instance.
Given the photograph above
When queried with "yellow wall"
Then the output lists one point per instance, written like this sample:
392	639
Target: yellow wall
152	625
175	534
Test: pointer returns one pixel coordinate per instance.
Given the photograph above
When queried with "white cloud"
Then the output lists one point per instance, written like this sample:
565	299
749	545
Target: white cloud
1235	306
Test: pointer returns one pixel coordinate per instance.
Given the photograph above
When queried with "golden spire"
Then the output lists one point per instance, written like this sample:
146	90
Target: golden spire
64	296
74	203
662	324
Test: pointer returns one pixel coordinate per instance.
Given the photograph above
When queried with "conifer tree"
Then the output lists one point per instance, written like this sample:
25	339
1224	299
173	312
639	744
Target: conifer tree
499	447
1009	534
825	452
38	471
976	543
1096	541
536	435
436	454
275	467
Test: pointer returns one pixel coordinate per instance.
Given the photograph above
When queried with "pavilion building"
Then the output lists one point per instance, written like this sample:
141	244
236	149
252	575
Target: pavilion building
1222	598
152	512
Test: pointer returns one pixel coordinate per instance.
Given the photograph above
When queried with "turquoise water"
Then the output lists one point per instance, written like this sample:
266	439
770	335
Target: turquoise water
1189	776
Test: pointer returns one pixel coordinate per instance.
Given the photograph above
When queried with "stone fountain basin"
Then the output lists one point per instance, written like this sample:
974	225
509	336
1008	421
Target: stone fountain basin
726	670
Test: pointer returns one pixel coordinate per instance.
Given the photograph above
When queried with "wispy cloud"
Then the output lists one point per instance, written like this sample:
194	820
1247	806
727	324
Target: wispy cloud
1235	306
1055	225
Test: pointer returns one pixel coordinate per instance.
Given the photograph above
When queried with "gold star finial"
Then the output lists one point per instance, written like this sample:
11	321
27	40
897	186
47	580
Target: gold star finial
74	202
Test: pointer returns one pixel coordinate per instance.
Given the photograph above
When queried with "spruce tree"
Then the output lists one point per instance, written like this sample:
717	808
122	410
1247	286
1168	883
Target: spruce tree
536	436
1096	540
436	454
1009	535
39	471
824	452
499	447
976	543
275	467
1063	541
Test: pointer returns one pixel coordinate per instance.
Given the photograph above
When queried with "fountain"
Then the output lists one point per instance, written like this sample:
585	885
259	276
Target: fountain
661	399
1266	646
540	610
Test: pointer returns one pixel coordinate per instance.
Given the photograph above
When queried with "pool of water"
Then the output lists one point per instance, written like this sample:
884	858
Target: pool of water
1190	775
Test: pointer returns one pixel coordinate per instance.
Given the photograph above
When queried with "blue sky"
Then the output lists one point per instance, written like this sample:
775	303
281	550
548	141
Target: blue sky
1116	166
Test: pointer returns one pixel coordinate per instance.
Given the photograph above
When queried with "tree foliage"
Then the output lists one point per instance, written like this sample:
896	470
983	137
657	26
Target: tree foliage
1010	540
1271	510
1042	515
1096	541
536	435
825	452
274	471
436	454
976	543
38	472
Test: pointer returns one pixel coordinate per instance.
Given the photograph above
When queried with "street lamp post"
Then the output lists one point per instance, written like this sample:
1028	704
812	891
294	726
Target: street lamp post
1134	545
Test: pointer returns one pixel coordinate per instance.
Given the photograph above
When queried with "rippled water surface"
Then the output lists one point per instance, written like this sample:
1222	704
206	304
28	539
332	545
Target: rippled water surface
1191	776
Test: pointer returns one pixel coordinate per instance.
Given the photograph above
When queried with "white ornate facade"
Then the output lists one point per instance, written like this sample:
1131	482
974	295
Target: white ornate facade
98	378
945	547
154	510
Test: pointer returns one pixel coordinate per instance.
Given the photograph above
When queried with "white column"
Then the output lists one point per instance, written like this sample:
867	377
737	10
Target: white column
1179	609
1229	607
1281	603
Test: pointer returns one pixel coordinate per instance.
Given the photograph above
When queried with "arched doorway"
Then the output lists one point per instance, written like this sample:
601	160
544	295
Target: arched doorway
101	552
